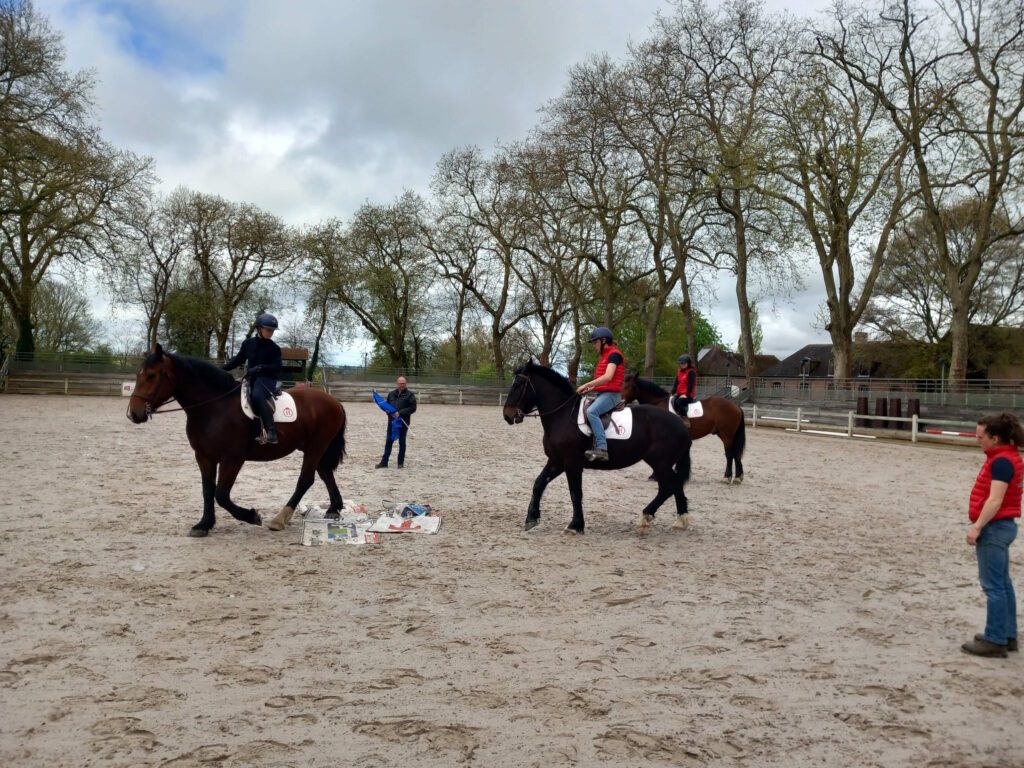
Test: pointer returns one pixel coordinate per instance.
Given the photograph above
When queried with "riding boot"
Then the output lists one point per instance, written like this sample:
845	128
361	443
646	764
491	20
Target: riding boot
686	422
267	414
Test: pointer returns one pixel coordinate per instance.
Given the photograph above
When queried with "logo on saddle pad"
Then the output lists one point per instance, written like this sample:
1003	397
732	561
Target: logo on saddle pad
284	407
693	411
618	425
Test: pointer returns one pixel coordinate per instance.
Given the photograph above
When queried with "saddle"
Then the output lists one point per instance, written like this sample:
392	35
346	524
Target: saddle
281	403
618	422
606	417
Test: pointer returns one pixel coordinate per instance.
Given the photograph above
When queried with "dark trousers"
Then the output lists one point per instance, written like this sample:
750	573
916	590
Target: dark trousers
389	442
680	403
260	392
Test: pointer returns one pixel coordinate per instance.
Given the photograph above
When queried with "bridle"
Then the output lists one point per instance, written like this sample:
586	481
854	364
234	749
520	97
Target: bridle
150	410
520	415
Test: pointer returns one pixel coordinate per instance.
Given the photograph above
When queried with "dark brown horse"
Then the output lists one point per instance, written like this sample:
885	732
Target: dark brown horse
658	438
221	434
721	417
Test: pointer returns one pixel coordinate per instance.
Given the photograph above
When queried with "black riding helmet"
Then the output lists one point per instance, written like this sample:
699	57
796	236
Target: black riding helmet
266	320
685	359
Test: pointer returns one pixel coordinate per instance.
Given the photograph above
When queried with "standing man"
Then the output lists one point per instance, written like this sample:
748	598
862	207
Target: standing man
608	378
686	387
404	402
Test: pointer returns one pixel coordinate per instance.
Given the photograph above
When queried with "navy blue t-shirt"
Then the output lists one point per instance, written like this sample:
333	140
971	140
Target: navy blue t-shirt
1002	470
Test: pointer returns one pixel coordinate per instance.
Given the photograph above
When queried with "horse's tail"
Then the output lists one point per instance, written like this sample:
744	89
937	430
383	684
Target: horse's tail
683	465
335	451
739	440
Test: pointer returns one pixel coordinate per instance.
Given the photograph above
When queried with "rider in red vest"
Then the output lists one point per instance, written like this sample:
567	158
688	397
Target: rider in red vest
686	387
608	378
994	508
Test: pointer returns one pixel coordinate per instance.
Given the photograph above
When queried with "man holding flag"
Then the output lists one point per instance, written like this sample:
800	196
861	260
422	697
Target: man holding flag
400	406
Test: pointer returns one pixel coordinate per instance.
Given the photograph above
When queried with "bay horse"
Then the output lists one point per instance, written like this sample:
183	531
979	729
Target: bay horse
721	417
221	434
658	438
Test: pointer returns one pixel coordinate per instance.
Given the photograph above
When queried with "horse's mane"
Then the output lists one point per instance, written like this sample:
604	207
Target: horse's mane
549	374
214	377
650	387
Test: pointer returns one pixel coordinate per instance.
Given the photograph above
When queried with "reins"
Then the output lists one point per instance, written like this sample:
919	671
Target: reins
540	415
150	411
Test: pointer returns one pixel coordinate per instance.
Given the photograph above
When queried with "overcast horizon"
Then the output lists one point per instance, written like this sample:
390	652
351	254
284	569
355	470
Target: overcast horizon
310	110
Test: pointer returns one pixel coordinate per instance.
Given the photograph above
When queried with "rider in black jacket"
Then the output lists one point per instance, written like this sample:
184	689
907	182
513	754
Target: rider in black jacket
262	359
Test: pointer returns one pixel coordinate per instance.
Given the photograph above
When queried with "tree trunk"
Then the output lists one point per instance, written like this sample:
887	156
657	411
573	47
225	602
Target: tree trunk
842	354
958	357
25	349
746	333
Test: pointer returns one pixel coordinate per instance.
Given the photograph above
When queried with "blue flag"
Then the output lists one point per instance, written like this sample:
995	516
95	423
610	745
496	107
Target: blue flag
388	408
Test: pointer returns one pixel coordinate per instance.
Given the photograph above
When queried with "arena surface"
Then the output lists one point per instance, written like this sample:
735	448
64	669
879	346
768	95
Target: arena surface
810	616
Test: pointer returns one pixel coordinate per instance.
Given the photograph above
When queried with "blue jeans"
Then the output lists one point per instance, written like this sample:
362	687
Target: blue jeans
603	403
993	550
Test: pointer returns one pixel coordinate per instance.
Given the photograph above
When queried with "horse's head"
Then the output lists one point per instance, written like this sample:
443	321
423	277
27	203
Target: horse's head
522	398
154	385
629	387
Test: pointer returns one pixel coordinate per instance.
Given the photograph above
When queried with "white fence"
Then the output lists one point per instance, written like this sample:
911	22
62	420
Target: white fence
855	425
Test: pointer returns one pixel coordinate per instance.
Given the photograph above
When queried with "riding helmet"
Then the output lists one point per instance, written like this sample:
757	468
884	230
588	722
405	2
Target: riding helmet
685	359
601	333
266	320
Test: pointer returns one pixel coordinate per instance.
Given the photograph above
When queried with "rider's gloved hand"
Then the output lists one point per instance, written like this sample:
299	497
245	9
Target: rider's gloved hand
253	372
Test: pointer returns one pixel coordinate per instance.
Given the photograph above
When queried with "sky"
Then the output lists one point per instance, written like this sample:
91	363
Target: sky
309	109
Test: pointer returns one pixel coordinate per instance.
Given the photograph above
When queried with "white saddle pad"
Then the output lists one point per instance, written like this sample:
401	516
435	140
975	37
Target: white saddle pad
693	411
620	428
284	407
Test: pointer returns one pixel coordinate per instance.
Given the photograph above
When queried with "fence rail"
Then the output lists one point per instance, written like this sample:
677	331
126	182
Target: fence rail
854	425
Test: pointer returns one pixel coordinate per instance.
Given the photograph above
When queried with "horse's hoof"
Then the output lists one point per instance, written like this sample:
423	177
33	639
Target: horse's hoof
682	523
198	533
531	522
571	532
256	519
727	480
333	515
281	519
645	523
738	480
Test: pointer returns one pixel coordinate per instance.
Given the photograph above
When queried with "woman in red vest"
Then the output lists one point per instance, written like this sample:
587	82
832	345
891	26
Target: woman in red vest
608	378
686	387
994	508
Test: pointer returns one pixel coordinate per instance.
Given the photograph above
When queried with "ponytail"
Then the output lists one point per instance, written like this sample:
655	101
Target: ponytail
1005	427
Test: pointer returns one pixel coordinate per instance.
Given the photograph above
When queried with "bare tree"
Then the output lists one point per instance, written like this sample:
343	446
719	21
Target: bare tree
147	259
911	296
235	249
730	57
842	172
61	184
602	180
951	80
485	197
383	274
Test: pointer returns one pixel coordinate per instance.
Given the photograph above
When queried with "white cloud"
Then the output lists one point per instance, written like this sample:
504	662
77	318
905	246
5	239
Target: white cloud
309	109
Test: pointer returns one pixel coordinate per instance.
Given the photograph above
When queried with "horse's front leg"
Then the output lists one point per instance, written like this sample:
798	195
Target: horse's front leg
208	469
549	473
225	480
305	481
574	476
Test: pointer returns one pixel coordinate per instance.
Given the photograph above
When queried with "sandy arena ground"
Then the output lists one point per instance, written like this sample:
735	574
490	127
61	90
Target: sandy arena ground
811	616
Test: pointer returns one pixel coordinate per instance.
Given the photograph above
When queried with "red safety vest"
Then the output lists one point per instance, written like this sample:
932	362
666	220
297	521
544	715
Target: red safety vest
615	385
681	378
983	485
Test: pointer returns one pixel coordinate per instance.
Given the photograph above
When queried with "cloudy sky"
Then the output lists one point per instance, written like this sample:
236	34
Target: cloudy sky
310	108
